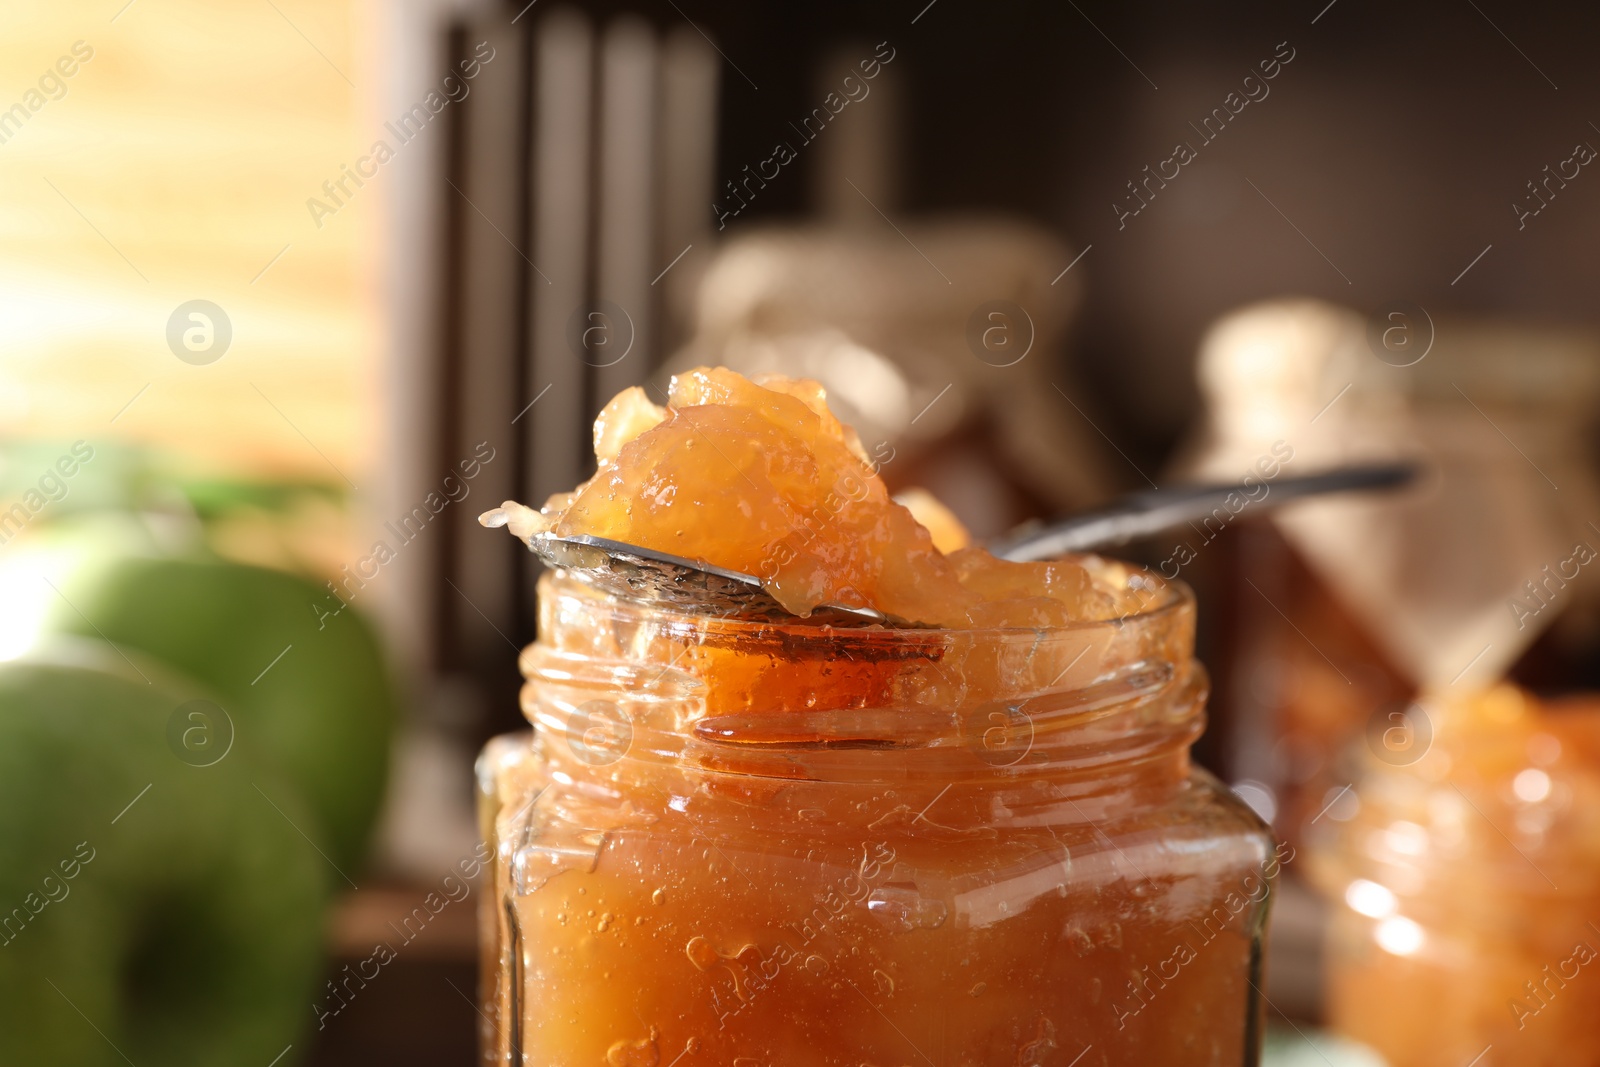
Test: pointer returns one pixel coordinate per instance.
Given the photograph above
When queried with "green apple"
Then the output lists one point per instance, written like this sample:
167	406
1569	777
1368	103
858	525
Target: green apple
309	692
151	911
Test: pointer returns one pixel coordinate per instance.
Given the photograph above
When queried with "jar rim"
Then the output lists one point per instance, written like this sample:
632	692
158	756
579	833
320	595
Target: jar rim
829	703
1161	597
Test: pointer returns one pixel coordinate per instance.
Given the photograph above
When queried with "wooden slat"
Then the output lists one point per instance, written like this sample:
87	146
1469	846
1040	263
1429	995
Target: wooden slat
626	211
485	356
554	428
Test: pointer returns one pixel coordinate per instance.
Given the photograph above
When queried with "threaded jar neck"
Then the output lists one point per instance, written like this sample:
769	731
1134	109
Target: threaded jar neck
623	693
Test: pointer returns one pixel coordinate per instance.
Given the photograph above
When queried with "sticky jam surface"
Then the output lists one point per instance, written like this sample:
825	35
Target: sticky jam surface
752	844
759	477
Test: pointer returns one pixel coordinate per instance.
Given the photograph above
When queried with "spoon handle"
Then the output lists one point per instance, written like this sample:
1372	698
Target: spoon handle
1142	514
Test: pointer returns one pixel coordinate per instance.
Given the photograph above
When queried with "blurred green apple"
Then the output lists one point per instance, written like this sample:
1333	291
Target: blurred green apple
308	690
310	695
151	910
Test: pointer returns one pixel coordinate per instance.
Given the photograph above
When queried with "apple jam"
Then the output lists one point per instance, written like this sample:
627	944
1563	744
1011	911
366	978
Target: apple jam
744	843
976	841
759	477
1464	867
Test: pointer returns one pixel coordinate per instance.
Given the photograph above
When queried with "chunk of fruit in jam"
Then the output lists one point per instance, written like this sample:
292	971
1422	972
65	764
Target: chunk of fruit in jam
759	476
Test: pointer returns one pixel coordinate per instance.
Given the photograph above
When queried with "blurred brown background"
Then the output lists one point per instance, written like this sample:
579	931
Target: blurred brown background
376	347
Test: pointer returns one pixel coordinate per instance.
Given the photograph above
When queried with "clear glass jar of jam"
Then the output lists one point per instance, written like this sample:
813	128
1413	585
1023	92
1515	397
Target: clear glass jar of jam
1464	869
748	843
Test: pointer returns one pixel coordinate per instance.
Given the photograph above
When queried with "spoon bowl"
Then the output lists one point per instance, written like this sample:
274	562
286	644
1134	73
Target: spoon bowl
697	585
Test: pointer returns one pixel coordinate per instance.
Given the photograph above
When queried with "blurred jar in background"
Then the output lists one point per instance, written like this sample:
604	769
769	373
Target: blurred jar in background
951	374
1336	612
1467	889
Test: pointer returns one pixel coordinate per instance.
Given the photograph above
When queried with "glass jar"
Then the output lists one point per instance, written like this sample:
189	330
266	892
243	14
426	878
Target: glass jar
752	843
1464	867
1335	612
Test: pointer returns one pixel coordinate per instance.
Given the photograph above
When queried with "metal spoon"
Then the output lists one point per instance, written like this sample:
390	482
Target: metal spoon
635	571
1150	512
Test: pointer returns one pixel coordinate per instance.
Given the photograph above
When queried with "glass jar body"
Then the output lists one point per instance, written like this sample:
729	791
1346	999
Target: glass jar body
778	937
1466	891
1517	984
845	901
